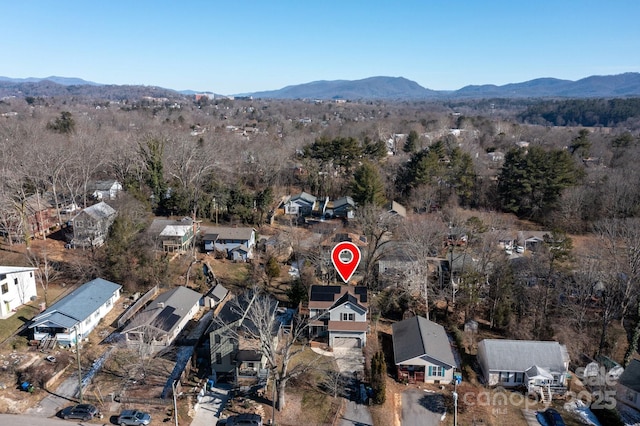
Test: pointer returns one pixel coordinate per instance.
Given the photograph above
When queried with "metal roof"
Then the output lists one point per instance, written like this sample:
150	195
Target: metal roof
416	337
520	355
227	233
101	210
15	269
167	309
175	230
78	305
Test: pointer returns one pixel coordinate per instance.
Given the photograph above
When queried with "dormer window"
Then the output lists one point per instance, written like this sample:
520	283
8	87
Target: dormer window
348	317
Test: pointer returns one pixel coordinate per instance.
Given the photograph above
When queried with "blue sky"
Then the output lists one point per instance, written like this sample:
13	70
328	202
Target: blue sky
242	46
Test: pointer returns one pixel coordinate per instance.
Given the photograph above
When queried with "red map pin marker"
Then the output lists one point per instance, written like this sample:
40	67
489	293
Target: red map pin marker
346	258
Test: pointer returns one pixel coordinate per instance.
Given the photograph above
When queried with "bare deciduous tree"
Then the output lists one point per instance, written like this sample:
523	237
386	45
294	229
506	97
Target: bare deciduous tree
256	330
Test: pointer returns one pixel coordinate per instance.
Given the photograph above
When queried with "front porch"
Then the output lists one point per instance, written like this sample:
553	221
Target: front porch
411	374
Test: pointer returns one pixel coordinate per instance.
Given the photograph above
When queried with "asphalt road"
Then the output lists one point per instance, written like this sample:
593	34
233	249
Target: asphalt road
56	401
23	419
420	408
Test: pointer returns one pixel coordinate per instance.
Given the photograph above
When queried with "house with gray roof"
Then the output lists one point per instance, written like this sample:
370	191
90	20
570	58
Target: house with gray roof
163	319
628	386
216	296
302	204
343	207
91	225
339	313
539	366
106	189
73	317
177	238
237	243
231	353
422	351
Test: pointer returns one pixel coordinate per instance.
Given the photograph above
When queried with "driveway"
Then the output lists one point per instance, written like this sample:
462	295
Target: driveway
420	408
63	396
350	361
210	405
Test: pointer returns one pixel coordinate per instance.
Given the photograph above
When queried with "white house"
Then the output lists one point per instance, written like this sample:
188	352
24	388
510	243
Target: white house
540	366
339	312
17	287
74	316
106	189
422	351
163	319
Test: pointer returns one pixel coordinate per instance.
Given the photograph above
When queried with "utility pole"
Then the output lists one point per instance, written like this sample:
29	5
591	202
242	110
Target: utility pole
75	327
175	401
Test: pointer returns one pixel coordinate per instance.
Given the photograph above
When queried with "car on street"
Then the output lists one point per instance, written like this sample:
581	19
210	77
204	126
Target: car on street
245	419
134	418
81	411
552	417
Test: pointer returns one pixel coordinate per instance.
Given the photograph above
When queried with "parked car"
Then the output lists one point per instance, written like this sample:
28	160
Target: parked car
81	411
245	419
134	418
552	417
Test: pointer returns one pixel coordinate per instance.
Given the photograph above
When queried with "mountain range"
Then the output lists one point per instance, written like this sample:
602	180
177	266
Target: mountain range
383	88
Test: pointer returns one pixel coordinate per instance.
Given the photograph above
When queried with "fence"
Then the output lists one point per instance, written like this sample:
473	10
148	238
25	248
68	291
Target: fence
133	309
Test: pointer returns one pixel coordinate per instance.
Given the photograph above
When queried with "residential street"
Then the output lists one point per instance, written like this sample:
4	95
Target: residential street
22	419
420	408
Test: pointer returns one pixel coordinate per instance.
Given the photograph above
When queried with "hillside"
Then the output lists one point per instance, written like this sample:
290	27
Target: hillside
372	88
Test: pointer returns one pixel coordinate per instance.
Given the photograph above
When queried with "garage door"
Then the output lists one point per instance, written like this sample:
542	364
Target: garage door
346	342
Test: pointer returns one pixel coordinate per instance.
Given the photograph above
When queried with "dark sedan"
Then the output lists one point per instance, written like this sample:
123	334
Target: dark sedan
80	411
552	417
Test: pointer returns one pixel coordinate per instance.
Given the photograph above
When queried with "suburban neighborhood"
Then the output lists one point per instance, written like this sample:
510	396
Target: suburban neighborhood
185	265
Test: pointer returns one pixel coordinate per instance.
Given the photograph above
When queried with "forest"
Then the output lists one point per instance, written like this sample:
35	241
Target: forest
485	169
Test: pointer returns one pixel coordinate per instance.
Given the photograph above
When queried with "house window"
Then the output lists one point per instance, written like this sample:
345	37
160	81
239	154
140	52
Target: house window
251	365
15	281
218	339
218	358
503	377
519	378
5	288
436	370
348	317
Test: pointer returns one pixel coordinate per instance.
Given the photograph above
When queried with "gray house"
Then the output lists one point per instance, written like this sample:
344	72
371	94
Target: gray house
628	387
163	319
91	225
73	317
539	366
236	243
422	351
106	189
231	354
341	208
302	204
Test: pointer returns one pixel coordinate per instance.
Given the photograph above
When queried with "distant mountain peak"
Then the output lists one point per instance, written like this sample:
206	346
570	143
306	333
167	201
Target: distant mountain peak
370	88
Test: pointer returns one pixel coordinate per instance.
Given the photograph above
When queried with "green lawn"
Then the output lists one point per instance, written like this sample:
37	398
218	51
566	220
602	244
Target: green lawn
25	313
18	319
